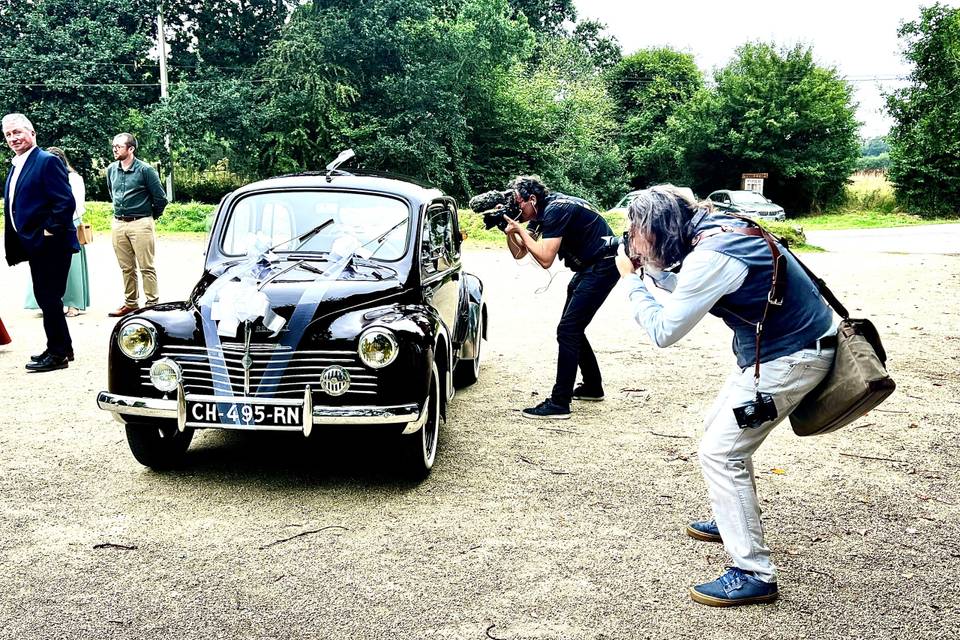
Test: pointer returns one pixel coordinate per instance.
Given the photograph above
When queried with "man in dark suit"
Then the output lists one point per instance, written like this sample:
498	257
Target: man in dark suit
38	211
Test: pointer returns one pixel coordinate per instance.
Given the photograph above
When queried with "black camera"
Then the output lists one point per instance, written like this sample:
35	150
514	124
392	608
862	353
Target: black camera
753	414
611	245
494	206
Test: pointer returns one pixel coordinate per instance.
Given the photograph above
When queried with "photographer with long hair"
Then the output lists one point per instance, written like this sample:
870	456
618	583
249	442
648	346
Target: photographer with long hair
571	228
718	264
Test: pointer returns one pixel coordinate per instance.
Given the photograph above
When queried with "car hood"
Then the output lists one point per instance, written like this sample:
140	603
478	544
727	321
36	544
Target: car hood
301	285
761	207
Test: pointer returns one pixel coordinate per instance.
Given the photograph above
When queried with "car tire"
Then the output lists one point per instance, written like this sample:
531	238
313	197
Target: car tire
158	447
467	372
418	450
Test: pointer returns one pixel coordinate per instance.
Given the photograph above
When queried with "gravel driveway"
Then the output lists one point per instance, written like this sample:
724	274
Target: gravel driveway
525	529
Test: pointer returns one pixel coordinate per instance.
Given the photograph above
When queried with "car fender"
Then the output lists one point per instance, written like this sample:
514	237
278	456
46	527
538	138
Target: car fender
472	307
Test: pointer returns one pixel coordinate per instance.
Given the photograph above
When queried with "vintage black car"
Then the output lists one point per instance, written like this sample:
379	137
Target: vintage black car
326	299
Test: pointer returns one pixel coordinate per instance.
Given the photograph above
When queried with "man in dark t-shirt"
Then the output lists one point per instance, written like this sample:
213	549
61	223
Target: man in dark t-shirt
570	228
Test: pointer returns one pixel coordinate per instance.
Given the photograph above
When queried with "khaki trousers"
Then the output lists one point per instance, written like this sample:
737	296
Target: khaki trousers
133	242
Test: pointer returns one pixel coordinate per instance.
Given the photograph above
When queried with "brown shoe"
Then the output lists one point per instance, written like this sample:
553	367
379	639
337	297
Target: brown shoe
122	311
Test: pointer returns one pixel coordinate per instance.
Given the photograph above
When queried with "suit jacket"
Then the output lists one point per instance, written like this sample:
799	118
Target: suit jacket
42	201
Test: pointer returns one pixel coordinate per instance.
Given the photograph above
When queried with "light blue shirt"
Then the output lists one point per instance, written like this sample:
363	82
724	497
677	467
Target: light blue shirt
706	277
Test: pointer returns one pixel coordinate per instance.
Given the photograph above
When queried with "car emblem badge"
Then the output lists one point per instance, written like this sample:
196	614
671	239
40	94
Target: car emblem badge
335	380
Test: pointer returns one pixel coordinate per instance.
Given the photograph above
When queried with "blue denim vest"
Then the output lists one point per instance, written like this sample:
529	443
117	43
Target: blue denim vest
803	317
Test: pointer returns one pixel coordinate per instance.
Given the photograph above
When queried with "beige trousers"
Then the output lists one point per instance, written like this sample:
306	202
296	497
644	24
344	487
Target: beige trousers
133	242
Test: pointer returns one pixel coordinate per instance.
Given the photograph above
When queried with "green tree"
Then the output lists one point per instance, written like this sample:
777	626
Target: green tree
226	37
545	16
400	81
874	146
924	146
774	111
647	87
80	71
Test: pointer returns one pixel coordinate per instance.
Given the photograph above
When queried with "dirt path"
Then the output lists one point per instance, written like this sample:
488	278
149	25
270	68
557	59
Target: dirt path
525	529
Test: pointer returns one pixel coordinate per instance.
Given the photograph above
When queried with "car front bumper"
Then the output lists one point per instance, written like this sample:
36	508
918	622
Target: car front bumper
175	409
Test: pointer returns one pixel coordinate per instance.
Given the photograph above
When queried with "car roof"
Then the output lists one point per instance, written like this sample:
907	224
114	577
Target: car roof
387	184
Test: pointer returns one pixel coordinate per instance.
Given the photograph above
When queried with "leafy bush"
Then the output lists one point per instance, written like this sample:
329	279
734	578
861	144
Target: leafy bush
880	162
190	216
205	186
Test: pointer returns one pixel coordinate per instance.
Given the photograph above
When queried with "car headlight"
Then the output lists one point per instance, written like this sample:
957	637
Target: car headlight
165	374
137	339
377	348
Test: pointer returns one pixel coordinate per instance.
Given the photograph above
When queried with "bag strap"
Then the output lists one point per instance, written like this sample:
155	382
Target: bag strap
823	288
778	278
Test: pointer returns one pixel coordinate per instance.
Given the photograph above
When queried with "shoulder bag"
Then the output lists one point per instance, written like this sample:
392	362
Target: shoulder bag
857	382
84	233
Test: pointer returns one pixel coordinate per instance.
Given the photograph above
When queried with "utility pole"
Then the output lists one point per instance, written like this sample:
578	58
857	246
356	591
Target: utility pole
162	47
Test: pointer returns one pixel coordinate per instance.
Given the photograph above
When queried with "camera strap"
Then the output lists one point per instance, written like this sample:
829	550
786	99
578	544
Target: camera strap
778	279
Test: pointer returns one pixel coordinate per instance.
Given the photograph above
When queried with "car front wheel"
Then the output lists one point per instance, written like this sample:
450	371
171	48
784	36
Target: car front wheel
419	449
158	447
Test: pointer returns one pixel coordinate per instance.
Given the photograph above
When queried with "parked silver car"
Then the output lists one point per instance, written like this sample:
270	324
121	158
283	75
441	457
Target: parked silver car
746	203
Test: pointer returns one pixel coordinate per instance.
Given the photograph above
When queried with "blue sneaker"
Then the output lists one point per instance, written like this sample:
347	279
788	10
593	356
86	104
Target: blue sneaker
705	530
547	410
734	588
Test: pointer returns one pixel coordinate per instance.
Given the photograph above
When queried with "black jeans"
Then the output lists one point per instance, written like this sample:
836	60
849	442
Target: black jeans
585	294
49	267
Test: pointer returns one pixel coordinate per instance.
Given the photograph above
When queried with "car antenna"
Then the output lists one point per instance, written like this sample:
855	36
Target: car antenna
340	159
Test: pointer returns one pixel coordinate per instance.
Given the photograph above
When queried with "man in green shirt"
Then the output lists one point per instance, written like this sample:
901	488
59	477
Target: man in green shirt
138	199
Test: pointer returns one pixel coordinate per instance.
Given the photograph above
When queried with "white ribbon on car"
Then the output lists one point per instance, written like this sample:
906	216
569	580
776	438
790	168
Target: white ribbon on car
235	297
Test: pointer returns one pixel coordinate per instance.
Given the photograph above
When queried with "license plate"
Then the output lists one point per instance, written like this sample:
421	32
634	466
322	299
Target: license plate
244	414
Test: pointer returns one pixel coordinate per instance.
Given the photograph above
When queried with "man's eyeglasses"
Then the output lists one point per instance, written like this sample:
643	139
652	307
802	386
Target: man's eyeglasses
120	146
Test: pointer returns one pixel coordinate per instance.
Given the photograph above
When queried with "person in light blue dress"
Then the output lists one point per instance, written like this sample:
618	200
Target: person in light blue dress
77	296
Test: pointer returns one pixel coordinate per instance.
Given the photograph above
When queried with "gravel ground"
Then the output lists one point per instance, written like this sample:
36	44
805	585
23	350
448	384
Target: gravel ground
525	529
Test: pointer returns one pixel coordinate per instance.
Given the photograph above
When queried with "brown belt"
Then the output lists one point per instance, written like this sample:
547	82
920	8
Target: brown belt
129	218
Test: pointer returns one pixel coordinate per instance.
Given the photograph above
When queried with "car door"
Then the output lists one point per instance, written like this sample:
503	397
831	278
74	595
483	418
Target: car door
440	262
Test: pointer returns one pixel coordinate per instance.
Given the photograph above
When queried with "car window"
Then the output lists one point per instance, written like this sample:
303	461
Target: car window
357	219
440	248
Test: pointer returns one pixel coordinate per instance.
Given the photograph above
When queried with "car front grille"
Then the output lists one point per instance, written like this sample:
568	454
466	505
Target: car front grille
303	368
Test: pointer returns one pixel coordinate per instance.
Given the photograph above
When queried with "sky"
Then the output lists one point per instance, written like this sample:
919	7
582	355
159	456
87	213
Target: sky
857	37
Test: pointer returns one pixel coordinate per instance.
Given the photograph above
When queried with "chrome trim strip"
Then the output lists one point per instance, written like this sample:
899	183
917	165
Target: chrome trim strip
132	406
165	408
260	348
181	408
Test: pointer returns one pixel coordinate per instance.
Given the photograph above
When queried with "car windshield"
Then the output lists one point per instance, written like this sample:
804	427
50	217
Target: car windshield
355	219
747	197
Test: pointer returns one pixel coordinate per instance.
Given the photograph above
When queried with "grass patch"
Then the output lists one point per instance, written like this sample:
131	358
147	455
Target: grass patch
863	220
192	217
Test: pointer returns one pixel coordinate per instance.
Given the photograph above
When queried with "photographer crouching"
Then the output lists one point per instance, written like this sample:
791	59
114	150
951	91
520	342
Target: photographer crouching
784	340
571	228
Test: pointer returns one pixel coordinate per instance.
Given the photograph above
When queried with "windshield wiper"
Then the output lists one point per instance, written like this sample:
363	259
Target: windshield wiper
380	238
303	237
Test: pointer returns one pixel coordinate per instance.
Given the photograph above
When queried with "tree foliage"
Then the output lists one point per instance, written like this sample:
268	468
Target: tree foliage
646	89
924	145
464	94
77	70
774	111
874	146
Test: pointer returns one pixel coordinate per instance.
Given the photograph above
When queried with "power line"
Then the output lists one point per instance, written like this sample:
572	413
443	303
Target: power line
150	63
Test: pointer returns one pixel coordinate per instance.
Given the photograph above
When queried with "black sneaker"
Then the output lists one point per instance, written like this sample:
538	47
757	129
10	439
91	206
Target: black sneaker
547	410
591	394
